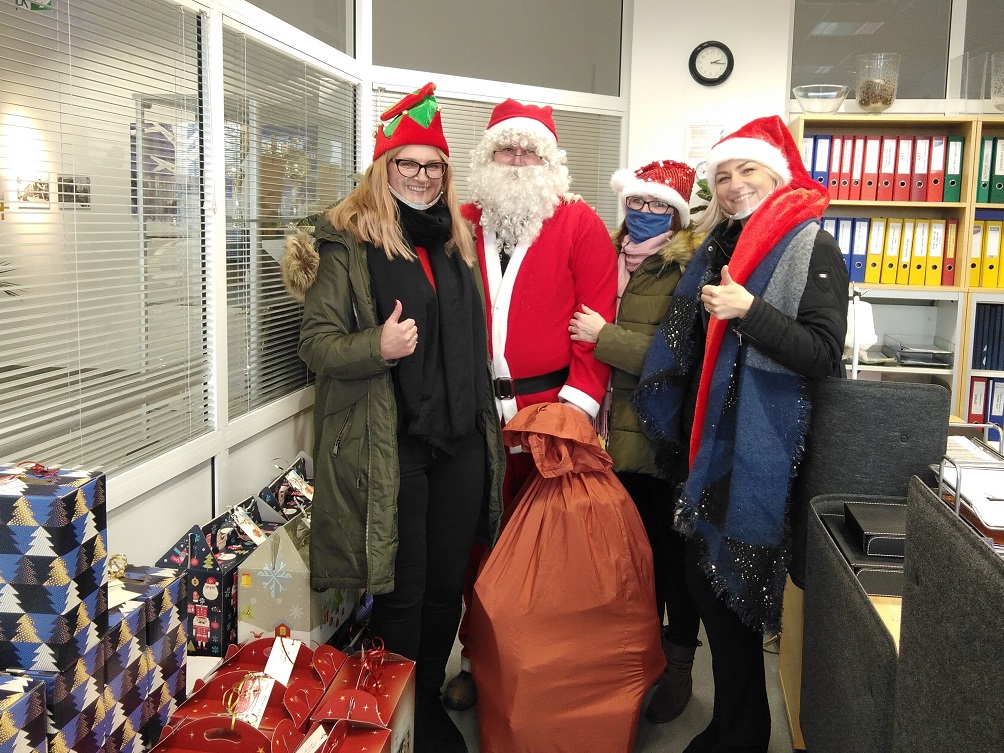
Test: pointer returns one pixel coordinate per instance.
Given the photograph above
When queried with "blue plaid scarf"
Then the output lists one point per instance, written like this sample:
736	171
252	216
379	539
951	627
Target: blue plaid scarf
748	439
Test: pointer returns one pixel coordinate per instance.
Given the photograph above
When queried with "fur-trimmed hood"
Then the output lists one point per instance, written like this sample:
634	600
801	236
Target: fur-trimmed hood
680	248
299	264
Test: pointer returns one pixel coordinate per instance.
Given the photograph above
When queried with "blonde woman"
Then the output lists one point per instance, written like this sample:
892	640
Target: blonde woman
406	435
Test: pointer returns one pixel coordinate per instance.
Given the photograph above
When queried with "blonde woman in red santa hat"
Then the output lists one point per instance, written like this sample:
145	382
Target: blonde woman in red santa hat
655	243
404	422
758	317
542	254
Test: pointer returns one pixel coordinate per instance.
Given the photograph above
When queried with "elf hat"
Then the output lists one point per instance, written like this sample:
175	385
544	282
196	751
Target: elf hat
413	120
530	119
767	141
667	180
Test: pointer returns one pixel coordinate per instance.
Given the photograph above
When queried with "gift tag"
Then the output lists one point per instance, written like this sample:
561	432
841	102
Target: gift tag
248	526
314	741
281	659
299	483
253	698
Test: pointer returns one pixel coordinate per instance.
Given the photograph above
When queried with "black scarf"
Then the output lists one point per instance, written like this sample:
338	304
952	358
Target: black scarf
442	386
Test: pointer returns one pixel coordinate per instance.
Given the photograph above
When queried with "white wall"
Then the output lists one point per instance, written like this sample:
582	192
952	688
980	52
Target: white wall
664	99
146	527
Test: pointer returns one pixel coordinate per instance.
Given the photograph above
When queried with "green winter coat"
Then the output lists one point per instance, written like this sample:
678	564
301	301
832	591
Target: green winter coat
356	473
625	343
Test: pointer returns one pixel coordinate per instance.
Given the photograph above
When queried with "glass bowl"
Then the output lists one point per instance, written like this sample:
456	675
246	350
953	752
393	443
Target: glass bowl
820	98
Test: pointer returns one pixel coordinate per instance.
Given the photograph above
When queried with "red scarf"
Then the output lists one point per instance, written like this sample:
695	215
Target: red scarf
782	210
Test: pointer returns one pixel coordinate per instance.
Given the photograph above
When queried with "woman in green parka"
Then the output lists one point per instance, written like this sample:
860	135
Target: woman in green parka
408	454
654	246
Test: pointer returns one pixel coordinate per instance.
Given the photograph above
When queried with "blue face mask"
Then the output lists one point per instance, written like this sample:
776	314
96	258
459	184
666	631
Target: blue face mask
644	225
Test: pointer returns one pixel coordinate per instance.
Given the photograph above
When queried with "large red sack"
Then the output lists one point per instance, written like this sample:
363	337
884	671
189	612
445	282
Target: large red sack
564	634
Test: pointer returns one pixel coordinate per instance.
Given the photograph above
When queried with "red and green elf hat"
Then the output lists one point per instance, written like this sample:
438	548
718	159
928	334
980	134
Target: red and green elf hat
413	120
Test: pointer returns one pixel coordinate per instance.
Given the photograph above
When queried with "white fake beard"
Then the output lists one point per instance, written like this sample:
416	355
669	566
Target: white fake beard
515	200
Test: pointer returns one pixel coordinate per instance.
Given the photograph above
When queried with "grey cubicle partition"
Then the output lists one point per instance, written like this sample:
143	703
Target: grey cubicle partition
950	680
848	655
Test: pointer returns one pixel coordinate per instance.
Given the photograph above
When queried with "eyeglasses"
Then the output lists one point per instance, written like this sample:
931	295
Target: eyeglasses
655	206
510	154
409	168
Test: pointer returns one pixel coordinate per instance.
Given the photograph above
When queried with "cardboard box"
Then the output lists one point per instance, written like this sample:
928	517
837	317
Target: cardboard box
386	698
211	556
317	666
290	703
223	735
53	566
343	737
275	596
281	493
22	715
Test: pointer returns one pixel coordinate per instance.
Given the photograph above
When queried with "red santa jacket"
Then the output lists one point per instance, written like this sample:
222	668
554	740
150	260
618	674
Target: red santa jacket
571	262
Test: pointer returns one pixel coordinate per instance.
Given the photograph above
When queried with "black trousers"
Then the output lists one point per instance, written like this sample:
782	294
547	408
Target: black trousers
654	499
742	712
437	513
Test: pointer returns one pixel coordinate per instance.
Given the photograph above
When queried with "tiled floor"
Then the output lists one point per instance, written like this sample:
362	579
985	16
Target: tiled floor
673	737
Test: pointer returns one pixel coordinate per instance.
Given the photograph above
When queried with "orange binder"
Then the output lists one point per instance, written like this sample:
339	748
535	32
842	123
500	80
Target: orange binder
904	169
846	156
921	165
936	169
857	168
835	162
869	180
887	168
951	248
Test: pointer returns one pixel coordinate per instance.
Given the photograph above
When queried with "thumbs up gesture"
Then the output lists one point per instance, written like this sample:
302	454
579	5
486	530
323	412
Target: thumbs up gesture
398	337
727	300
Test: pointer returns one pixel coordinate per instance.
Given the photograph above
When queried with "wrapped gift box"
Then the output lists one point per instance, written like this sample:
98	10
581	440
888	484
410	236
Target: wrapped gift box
290	703
22	715
53	567
384	696
343	737
222	735
211	556
275	596
317	666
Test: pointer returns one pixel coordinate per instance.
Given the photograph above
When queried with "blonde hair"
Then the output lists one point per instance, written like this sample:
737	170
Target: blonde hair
371	214
714	213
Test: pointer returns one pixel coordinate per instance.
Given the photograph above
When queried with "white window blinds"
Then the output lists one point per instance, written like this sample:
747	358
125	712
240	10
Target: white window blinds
105	360
591	140
290	152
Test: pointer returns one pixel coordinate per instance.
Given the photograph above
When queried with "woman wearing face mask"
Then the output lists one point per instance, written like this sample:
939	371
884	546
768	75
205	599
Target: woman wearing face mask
654	245
759	315
406	437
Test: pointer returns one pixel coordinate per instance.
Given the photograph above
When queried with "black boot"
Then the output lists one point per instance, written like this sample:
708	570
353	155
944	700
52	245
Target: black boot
435	732
675	686
704	742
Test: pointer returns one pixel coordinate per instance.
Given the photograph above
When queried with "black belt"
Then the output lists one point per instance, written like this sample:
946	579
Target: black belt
507	388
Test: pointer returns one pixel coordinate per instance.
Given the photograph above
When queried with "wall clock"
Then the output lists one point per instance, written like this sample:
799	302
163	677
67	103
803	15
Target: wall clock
711	63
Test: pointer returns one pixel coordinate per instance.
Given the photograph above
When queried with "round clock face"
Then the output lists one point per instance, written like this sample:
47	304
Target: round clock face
711	63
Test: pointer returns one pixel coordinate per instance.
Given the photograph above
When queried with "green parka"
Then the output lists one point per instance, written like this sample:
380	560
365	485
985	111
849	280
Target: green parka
356	472
625	343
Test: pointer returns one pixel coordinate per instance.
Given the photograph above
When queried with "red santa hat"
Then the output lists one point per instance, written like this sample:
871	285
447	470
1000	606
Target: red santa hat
529	119
767	141
413	120
668	180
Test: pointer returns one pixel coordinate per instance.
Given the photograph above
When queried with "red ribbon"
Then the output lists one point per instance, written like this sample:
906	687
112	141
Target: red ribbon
371	668
38	470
